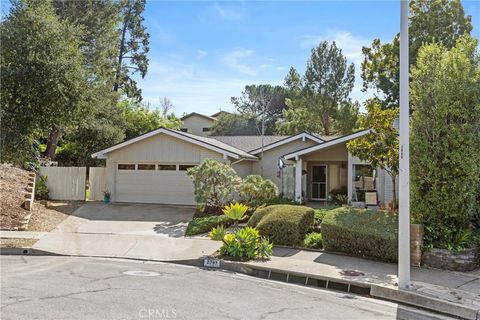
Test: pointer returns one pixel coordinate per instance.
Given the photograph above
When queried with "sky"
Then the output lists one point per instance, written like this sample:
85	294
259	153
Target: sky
202	53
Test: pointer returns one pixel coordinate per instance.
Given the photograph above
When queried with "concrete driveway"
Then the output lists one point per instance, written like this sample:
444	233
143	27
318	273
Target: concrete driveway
133	219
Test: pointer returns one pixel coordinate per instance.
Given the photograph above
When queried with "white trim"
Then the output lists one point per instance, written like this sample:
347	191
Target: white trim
302	135
101	154
327	144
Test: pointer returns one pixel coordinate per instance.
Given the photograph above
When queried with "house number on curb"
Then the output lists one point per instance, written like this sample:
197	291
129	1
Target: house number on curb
211	263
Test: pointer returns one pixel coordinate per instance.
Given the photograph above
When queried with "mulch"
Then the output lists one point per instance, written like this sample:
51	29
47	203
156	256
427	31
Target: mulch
13	184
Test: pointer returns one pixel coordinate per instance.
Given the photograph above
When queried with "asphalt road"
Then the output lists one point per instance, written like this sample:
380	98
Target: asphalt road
85	288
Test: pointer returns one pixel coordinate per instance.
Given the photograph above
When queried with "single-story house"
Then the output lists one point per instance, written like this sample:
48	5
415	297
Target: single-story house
151	168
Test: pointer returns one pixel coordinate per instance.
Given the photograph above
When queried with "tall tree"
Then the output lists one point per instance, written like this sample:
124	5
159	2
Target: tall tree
380	147
446	139
234	124
316	97
42	71
440	21
133	47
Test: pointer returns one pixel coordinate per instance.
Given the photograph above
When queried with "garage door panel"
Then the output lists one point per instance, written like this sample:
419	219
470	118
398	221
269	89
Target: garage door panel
169	187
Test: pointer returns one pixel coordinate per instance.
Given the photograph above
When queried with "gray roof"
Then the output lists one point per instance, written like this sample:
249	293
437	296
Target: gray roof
248	143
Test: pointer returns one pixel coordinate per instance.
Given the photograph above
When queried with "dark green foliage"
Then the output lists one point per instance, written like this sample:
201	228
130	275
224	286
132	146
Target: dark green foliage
321	212
205	224
281	200
313	240
284	224
234	124
361	232
445	166
41	189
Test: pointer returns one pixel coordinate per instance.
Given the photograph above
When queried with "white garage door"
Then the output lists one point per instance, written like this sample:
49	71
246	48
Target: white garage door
154	183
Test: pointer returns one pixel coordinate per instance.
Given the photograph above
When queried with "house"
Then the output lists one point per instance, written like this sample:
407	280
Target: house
199	124
152	168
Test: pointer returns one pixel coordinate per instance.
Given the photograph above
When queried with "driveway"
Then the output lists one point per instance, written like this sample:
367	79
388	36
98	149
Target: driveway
132	219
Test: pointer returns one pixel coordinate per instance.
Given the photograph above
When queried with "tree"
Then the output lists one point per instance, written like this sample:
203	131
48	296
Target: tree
346	118
132	49
165	106
440	21
234	124
445	139
313	101
44	82
380	147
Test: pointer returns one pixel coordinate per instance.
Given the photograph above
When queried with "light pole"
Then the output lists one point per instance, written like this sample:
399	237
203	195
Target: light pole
404	153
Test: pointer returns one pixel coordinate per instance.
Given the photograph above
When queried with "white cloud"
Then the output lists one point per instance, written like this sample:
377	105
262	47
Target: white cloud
229	13
235	60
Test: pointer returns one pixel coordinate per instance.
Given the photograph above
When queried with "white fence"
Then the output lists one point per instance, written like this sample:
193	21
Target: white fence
65	183
97	183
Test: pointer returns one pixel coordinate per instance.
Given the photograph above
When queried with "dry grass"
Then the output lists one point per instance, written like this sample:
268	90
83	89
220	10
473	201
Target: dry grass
48	214
17	243
13	183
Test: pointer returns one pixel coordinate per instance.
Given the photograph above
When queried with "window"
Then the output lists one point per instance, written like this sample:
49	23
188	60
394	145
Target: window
184	129
206	129
124	166
146	167
184	167
363	180
171	167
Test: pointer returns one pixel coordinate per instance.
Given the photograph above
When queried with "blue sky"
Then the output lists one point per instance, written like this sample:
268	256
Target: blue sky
202	53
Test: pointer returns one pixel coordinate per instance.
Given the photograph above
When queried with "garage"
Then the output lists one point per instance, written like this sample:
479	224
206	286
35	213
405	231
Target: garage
154	183
152	168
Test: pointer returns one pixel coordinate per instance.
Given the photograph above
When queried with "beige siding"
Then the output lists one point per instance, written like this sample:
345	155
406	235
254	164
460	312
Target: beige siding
243	168
270	159
195	124
158	187
334	153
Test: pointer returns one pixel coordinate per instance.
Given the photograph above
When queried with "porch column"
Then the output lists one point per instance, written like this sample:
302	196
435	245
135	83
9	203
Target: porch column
298	179
349	177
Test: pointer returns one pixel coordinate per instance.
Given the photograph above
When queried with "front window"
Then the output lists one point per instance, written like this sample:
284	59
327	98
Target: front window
363	180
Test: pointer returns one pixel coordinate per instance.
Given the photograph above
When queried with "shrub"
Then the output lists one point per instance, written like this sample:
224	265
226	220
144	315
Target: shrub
320	214
361	232
218	233
205	224
41	189
283	224
246	243
281	200
215	183
235	212
313	240
255	190
339	196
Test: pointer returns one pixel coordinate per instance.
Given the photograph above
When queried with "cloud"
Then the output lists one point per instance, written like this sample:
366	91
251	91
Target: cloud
350	44
234	60
201	54
229	13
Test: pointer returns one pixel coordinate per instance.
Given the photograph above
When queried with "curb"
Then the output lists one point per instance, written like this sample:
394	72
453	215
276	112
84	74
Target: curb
25	252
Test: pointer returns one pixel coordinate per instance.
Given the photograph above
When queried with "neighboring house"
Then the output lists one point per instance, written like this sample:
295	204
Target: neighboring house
152	168
198	124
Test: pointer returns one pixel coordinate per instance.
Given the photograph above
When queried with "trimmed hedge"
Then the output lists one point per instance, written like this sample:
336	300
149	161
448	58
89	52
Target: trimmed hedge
205	224
361	232
283	224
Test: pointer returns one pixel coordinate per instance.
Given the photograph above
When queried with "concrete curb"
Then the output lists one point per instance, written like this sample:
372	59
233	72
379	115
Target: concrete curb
25	252
426	302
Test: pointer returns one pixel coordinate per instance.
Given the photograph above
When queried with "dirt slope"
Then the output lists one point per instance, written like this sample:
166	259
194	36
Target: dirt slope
13	182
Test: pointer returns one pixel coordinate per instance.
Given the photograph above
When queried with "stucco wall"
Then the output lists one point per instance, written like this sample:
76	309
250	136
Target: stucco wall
195	124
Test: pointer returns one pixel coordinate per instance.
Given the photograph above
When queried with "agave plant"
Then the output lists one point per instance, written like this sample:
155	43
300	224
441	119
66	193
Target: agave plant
236	212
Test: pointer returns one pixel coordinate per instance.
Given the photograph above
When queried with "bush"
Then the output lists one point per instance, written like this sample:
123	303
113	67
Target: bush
281	200
215	183
283	224
361	232
205	224
313	240
217	233
339	196
320	214
41	189
255	190
246	243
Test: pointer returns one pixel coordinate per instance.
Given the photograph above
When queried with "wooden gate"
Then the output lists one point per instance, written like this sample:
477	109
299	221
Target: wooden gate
97	183
65	183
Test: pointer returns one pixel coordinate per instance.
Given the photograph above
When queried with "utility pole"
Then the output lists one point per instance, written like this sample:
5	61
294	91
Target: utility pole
404	153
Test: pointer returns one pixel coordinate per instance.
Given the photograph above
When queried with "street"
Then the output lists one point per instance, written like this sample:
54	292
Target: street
87	288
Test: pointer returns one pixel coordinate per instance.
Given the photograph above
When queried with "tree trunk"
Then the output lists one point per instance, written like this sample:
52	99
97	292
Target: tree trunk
52	143
394	182
121	49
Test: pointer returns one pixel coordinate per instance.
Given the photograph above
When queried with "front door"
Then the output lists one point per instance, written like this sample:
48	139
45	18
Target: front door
319	182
